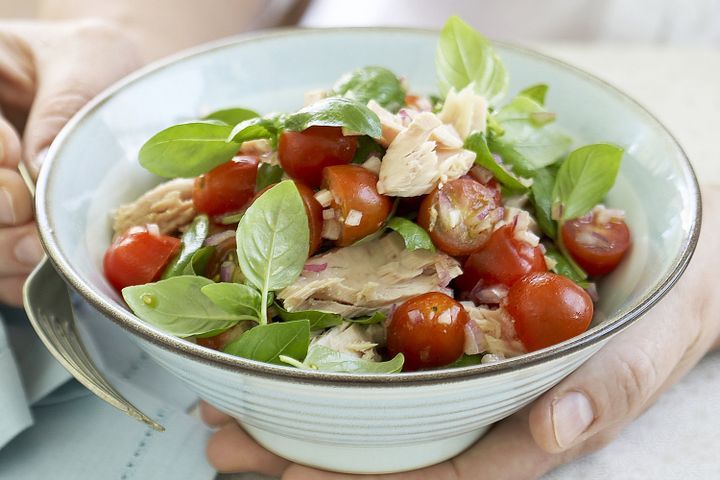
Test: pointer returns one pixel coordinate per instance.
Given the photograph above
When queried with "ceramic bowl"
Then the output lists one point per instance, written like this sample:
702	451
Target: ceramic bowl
356	423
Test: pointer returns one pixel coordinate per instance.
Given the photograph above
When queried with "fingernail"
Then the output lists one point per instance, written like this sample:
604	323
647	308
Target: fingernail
29	251
572	414
7	208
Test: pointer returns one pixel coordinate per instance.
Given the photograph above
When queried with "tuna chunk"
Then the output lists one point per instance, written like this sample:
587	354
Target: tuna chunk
465	110
491	331
360	279
169	206
358	340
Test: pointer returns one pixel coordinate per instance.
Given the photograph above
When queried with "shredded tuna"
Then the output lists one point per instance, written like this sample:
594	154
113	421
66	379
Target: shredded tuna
493	332
465	110
353	339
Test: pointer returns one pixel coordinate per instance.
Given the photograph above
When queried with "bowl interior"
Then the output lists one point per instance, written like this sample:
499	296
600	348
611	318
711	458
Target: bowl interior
92	167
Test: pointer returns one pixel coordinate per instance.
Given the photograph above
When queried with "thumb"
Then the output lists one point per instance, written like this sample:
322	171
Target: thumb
74	62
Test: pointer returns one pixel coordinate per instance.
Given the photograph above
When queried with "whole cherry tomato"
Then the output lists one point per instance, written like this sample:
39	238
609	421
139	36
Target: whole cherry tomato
226	188
597	247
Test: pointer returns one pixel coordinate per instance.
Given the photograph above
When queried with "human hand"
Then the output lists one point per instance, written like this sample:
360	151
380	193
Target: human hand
48	70
580	415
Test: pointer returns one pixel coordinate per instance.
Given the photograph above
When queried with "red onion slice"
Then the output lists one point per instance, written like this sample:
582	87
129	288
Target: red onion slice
218	238
315	267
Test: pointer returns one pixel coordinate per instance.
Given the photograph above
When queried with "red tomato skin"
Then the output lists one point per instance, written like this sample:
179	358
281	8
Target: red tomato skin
221	340
502	260
226	188
138	257
416	331
548	309
597	247
304	155
355	188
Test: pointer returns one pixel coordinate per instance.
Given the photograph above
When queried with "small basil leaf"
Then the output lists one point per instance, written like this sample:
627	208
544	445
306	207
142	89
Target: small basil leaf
188	149
268	127
192	241
372	83
272	240
267	175
232	218
234	298
414	236
178	307
466	361
377	317
586	176
366	148
199	261
318	320
477	143
535	92
231	116
342	112
566	267
541	197
328	360
464	56
266	343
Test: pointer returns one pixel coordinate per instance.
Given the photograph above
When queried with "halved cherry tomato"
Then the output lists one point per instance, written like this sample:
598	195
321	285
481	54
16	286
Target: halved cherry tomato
226	188
354	191
459	216
485	177
429	330
597	247
220	341
303	155
138	257
548	309
502	260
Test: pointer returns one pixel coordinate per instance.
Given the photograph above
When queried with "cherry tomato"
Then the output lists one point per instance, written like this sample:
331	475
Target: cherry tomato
138	257
502	260
429	330
220	341
303	155
459	216
596	247
354	191
226	188
485	177
548	309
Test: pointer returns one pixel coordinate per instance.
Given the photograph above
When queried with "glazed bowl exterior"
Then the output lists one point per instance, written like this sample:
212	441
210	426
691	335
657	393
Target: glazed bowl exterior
356	423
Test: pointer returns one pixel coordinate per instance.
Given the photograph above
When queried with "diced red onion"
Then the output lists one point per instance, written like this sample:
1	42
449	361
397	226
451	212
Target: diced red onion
153	229
481	174
353	219
227	269
592	291
488	295
474	339
218	238
315	267
415	316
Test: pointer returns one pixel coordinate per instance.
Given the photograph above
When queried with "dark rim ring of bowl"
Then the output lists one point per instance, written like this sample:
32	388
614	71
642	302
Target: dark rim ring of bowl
128	321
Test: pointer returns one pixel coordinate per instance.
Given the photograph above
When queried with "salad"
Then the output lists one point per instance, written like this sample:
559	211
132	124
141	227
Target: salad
376	229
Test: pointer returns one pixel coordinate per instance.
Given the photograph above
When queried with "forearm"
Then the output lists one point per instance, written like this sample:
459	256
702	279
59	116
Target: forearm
161	27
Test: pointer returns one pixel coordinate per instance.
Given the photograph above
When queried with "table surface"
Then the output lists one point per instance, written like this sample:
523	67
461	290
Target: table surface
679	437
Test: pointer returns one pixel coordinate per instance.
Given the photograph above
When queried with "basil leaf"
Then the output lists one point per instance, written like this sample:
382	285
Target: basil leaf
267	175
535	92
188	149
372	83
466	361
328	360
266	343
199	261
541	195
268	127
566	267
525	144
464	56
192	241
342	112
231	116
232	218
318	320
178	307
414	236
377	317
234	298
367	147
477	143
585	178
273	238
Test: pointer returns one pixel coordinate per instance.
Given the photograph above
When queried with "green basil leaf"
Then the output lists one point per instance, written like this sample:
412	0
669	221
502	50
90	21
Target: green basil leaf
328	360
192	241
267	175
566	267
526	145
188	149
266	343
466	361
535	92
199	261
377	317
178	306
541	196
234	298
464	56
272	240
586	176
231	116
342	112
366	148
414	236
268	127
318	320
477	143
372	83
232	218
